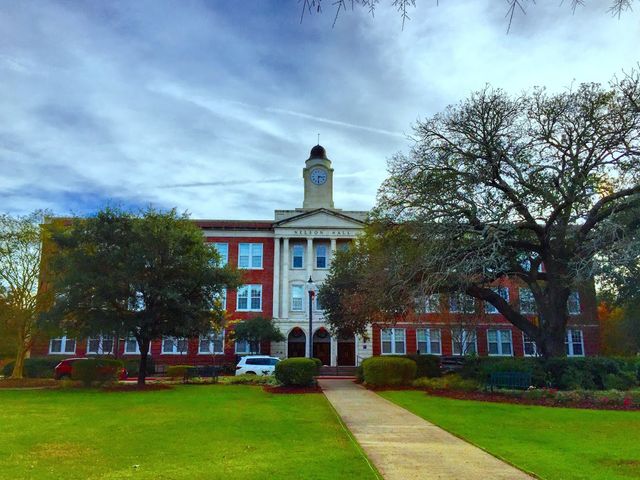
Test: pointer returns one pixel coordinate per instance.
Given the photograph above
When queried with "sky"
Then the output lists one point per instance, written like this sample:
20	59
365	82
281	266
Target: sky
212	106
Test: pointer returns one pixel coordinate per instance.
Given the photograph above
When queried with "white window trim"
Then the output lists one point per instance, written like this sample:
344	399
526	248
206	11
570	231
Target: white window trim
499	341
393	341
489	308
467	312
223	296
464	334
575	312
137	352
249	288
235	348
101	351
326	257
224	258
429	351
163	352
570	343
63	345
293	247
525	312
524	349
301	286
211	345
251	247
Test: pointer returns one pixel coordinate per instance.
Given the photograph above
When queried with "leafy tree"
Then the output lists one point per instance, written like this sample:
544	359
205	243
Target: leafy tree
20	299
145	276
540	188
257	330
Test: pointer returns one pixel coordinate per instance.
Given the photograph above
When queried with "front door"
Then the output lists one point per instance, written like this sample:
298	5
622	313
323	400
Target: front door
323	352
296	349
346	354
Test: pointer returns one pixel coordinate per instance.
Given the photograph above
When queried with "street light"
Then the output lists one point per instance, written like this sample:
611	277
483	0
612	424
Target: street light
311	288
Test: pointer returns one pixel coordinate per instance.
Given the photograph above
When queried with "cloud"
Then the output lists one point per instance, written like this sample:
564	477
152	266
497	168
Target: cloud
212	107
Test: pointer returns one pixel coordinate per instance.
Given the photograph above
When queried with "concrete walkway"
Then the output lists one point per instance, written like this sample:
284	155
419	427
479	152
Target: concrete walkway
404	446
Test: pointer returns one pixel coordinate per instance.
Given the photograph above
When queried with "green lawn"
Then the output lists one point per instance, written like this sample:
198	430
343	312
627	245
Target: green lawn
192	432
553	443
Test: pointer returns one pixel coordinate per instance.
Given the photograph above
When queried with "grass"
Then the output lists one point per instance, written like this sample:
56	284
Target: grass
190	432
552	443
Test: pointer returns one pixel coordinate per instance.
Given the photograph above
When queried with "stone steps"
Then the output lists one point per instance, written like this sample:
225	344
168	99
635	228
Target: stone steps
326	371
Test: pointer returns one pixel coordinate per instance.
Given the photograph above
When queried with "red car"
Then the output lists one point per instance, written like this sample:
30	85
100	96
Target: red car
63	369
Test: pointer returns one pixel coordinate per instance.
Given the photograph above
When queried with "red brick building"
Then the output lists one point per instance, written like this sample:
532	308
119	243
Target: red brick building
277	257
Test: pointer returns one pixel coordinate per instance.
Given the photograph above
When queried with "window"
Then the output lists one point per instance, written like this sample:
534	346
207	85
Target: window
250	255
100	345
393	341
317	306
222	298
174	346
62	345
321	256
428	341
463	341
503	292
500	342
131	346
223	251
297	298
525	262
574	343
243	347
462	303
527	302
573	303
249	298
261	361
530	346
428	304
212	343
298	256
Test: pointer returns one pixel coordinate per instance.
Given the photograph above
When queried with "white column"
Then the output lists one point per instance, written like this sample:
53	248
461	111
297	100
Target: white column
333	248
276	278
285	278
309	258
334	351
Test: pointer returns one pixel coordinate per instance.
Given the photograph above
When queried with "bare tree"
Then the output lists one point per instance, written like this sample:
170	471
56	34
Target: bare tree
20	252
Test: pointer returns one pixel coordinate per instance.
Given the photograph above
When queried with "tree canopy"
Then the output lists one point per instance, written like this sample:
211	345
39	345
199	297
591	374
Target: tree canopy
143	275
256	330
540	187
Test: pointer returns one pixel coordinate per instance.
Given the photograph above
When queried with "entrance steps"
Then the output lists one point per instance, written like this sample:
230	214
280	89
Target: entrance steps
326	371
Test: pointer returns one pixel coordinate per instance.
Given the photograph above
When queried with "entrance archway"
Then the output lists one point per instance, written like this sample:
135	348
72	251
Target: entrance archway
347	351
296	343
322	346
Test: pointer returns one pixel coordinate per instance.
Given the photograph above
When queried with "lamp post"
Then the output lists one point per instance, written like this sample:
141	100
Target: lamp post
311	288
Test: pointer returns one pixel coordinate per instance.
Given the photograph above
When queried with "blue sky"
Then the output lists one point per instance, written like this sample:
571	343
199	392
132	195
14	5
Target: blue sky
212	106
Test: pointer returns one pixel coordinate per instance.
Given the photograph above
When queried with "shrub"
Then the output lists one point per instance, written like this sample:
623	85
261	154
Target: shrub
318	364
179	371
133	367
426	365
298	372
359	374
621	381
35	367
480	369
248	380
447	382
383	371
96	370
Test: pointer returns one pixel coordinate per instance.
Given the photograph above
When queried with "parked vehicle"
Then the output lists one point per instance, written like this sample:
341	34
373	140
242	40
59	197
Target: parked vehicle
257	365
63	369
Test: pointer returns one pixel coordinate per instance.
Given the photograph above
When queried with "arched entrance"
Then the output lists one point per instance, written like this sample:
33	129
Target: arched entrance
346	351
322	346
296	343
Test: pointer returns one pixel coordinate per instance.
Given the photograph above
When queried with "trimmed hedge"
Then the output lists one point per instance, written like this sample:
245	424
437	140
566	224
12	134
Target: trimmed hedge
588	373
179	371
297	372
447	382
426	365
96	370
384	371
35	367
318	364
133	366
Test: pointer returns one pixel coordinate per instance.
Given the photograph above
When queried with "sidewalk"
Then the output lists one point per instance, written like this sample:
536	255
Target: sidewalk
403	446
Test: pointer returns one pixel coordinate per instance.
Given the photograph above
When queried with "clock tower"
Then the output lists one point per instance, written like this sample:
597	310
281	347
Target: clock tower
318	180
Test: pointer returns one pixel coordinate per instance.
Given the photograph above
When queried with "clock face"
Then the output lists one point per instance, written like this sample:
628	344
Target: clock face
318	176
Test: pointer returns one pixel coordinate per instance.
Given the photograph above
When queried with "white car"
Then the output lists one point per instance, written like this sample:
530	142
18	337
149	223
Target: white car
257	365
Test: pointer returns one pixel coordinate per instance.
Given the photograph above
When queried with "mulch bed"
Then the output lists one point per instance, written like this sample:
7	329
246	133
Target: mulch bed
28	383
292	390
137	388
500	398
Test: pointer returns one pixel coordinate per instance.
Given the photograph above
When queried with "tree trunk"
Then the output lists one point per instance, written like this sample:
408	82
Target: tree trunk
18	367
142	371
553	322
